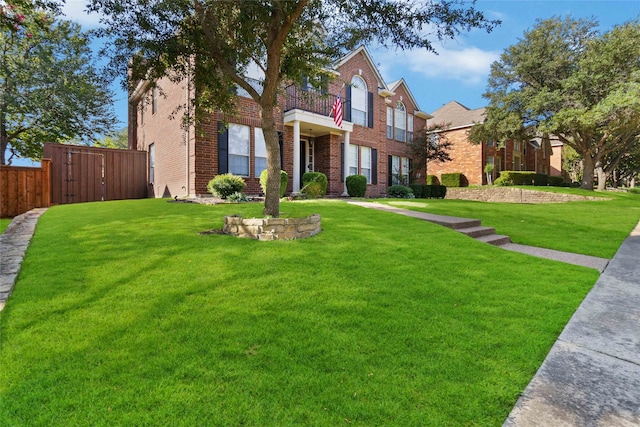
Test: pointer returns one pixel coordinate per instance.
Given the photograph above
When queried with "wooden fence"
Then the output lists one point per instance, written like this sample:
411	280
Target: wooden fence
24	188
88	174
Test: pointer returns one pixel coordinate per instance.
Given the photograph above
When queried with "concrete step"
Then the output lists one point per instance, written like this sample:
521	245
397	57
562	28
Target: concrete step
478	231
495	239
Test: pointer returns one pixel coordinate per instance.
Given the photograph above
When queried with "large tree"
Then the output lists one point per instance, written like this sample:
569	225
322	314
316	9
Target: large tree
50	90
566	79
287	40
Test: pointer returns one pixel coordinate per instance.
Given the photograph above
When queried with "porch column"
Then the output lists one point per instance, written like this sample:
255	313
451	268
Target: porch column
296	156
347	138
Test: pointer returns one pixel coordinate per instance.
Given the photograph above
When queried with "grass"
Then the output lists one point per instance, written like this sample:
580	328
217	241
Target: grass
593	228
124	315
4	223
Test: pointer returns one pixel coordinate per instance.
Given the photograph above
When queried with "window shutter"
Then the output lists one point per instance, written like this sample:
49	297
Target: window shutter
342	162
374	165
281	142
389	170
370	109
223	148
347	104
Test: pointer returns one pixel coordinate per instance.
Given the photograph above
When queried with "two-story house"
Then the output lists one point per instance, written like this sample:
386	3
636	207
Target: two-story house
470	159
378	121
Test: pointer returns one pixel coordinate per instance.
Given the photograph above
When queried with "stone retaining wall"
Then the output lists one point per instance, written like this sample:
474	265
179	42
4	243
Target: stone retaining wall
513	195
272	228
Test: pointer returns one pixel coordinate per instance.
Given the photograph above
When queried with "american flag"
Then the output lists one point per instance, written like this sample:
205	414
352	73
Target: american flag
336	110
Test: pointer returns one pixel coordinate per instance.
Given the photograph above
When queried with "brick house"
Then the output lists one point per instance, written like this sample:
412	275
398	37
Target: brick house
470	159
378	120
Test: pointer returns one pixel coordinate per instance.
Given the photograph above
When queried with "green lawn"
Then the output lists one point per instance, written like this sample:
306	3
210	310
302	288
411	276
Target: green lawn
124	314
4	223
591	228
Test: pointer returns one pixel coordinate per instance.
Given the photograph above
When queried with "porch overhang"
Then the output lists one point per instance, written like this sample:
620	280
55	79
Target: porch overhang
315	124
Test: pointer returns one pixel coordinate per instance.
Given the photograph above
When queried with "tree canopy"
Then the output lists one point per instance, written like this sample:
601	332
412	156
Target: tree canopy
50	90
566	79
286	40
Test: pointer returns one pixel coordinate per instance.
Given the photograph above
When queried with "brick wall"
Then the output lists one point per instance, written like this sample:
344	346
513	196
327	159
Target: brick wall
467	158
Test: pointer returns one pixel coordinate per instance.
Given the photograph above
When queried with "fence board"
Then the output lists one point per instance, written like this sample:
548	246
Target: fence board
77	173
24	188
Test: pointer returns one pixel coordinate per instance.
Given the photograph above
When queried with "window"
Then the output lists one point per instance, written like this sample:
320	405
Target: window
154	103
395	170
410	127
490	143
358	101
152	163
400	122
353	159
239	149
516	145
390	122
142	113
365	163
260	153
404	171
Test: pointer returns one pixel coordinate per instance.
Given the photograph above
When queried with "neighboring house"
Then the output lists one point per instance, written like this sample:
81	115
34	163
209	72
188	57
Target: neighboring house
378	121
470	159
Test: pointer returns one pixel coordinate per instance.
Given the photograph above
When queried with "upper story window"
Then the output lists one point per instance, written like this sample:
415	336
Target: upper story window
390	122
516	145
490	143
400	122
358	101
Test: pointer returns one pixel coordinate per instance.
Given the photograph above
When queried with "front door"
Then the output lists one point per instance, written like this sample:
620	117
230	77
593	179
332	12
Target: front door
307	151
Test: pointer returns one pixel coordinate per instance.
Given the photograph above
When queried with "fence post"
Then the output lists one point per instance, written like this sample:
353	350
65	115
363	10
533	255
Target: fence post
45	165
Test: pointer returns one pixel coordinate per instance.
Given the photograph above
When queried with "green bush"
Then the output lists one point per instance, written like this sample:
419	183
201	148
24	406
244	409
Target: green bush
555	181
432	180
356	185
400	192
435	191
225	185
634	190
284	180
237	197
419	190
521	178
314	184
451	179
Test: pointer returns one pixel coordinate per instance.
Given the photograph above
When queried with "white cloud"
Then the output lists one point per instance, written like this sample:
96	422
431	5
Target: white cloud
469	65
76	10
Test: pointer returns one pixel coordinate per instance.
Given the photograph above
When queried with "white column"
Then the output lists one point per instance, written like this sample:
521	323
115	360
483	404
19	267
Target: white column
296	156
347	138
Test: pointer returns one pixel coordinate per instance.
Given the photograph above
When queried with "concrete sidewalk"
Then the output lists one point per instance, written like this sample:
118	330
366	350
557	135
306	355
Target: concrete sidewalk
591	376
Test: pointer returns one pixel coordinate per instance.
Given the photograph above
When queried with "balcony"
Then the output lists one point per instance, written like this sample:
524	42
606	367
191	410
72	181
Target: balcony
311	100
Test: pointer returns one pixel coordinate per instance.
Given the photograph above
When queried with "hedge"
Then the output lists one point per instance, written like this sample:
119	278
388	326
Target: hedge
314	184
356	185
422	191
452	179
284	179
432	180
521	178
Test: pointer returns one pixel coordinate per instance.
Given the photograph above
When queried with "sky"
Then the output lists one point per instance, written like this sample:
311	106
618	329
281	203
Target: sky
460	70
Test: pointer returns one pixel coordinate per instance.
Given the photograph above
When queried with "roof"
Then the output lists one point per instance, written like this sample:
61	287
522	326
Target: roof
457	115
394	85
365	53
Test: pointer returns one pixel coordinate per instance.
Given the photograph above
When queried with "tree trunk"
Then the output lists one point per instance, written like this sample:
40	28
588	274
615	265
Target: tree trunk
587	173
272	196
602	177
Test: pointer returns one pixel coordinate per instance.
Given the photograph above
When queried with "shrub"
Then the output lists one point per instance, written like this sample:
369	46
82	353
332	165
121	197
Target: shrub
451	179
435	191
237	197
432	180
400	192
314	184
284	180
225	185
521	178
555	181
356	185
419	190
634	190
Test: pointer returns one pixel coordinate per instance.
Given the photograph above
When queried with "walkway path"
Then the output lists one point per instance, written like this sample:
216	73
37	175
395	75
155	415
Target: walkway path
473	228
13	245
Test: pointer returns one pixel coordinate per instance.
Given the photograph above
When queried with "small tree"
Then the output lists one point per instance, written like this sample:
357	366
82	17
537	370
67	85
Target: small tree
430	144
